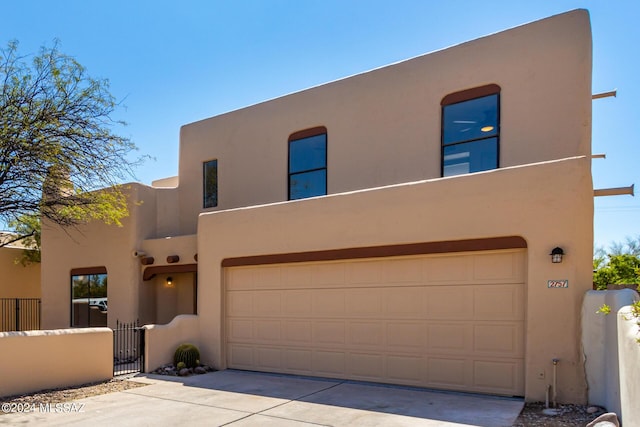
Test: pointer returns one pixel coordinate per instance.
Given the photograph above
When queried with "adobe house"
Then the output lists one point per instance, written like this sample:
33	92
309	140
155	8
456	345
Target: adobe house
20	286
394	226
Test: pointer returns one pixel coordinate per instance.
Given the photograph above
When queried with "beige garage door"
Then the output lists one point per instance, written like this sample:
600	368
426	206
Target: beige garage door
452	321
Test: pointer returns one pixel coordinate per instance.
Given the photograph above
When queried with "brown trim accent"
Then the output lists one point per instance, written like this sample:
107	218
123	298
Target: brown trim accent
147	260
472	245
151	272
172	259
88	270
465	95
318	130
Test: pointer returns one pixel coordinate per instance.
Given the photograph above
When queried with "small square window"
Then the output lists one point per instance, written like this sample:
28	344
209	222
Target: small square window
210	184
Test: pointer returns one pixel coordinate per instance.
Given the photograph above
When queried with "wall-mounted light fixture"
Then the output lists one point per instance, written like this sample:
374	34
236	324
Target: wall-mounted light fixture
169	283
556	255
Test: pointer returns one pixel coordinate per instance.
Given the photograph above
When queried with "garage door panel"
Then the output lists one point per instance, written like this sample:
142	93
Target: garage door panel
267	303
366	334
298	276
328	303
364	302
406	302
504	302
495	375
297	303
454	302
447	373
498	339
449	338
329	274
443	270
242	355
366	366
403	335
404	369
330	363
403	271
452	321
268	330
299	361
240	303
268	357
298	332
240	330
498	267
329	332
366	272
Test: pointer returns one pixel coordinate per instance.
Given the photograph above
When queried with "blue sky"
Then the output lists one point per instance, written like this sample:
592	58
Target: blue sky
176	62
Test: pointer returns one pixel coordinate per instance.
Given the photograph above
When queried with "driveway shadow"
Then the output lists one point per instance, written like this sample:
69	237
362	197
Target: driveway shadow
337	402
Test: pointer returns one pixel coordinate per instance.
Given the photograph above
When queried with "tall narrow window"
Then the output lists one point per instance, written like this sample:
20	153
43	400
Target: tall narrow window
210	184
308	163
471	130
89	297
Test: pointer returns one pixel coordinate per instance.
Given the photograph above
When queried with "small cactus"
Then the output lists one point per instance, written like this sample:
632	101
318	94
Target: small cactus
188	354
180	365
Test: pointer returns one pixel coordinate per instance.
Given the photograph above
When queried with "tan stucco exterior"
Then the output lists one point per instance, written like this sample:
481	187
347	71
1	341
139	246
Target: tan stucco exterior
18	281
384	188
39	360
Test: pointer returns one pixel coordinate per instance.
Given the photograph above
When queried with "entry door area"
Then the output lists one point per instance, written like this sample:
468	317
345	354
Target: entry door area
453	321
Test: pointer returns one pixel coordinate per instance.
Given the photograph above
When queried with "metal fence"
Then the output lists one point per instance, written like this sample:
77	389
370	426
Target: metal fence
19	314
128	348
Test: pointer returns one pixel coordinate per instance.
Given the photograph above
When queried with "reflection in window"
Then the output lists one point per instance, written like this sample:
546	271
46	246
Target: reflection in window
308	164
470	131
210	184
89	300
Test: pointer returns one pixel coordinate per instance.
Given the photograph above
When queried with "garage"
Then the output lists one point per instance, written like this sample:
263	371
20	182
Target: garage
451	321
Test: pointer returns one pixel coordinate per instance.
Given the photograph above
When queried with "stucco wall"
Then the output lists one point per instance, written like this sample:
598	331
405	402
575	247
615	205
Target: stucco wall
548	204
18	281
384	125
601	343
629	350
161	341
97	244
37	360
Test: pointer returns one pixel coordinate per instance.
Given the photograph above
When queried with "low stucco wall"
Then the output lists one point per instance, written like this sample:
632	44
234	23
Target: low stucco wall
161	340
629	350
38	360
604	350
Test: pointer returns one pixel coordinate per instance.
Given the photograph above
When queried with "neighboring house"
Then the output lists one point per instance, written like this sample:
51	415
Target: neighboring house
393	226
19	289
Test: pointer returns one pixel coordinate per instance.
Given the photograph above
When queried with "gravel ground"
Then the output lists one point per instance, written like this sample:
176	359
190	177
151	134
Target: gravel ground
568	416
531	415
72	393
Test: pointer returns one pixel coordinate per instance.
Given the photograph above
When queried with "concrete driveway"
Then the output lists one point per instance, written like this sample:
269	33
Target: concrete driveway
242	399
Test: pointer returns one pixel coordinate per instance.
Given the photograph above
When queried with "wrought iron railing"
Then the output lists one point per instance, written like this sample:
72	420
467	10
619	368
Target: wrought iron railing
128	348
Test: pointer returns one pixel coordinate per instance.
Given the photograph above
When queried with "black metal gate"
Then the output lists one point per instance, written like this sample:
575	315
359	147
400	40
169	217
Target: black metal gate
19	314
128	348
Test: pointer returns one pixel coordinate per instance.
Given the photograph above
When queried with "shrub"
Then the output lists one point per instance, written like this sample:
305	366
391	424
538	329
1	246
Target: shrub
187	354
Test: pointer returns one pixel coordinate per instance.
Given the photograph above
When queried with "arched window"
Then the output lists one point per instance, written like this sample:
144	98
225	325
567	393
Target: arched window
471	130
308	163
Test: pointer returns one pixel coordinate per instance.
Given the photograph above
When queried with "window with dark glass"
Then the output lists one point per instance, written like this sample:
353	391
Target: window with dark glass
308	163
210	184
89	297
471	131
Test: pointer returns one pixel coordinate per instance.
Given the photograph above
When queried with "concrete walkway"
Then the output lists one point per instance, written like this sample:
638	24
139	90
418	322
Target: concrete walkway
242	399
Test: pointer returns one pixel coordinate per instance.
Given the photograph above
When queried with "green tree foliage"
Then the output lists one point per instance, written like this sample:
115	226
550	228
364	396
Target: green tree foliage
620	265
57	145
